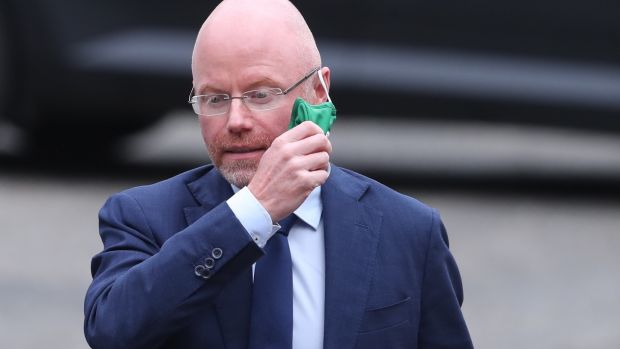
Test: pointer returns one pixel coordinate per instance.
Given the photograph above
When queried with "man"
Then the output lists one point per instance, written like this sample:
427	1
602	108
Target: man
184	260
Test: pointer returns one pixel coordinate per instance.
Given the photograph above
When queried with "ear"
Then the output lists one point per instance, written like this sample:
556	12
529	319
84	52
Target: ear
319	91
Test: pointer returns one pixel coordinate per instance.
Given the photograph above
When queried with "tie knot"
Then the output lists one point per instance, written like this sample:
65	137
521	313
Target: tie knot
287	223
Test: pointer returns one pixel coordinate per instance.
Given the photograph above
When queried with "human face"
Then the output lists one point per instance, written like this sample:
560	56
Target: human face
233	56
237	140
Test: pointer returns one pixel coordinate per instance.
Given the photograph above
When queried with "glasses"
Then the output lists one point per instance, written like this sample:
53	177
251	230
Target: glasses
257	100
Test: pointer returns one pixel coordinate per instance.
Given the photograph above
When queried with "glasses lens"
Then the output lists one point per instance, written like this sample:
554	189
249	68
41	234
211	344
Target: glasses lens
263	99
211	104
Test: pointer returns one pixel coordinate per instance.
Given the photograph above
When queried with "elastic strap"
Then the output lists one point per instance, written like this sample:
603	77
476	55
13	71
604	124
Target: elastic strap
324	85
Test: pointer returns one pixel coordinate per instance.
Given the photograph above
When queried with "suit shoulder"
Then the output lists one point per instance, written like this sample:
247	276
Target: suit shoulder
385	196
406	220
170	189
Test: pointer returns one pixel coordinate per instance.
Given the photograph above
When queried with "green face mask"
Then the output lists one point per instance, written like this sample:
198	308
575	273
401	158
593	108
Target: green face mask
323	114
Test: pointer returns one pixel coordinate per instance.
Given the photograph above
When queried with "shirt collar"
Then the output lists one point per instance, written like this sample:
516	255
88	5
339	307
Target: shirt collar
310	210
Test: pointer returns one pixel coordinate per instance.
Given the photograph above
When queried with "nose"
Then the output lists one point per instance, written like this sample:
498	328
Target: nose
240	118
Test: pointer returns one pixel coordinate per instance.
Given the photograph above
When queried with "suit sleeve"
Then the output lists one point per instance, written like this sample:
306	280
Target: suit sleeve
442	325
141	293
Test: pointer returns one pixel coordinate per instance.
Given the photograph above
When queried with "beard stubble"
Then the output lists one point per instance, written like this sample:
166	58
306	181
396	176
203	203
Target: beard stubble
237	172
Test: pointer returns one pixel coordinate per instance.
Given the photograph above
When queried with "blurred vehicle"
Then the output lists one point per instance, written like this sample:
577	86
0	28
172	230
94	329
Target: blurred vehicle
82	74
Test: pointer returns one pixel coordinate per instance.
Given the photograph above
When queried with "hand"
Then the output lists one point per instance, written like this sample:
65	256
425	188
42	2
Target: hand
295	164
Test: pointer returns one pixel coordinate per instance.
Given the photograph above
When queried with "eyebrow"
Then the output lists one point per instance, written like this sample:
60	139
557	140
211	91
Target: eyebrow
262	82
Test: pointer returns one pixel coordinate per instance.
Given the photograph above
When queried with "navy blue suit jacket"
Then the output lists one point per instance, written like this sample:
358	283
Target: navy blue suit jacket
390	280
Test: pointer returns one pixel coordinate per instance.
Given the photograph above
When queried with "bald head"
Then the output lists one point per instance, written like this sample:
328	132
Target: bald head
253	31
249	45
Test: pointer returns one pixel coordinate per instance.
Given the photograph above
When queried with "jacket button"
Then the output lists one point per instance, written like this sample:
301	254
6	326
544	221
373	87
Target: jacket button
199	269
217	253
202	271
209	262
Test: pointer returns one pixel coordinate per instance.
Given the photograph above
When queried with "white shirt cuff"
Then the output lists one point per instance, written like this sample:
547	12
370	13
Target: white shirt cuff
252	216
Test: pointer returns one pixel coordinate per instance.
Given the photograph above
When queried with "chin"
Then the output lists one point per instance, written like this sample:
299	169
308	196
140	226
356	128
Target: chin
239	173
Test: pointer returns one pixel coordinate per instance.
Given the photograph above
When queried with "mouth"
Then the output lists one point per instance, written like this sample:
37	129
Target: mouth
238	153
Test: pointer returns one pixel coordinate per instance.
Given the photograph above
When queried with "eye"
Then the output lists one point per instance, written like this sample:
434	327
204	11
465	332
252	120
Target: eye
260	96
216	99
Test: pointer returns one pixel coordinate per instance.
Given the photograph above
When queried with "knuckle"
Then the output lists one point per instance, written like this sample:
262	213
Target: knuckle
287	153
278	142
305	179
295	162
312	126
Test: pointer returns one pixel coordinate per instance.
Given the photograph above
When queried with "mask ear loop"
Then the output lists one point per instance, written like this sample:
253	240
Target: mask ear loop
326	92
323	84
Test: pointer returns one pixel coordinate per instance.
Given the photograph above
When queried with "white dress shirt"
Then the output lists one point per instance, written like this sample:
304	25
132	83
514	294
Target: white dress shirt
307	245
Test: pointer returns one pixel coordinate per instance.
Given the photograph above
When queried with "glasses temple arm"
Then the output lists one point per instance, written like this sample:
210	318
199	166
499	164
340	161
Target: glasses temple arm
300	81
191	92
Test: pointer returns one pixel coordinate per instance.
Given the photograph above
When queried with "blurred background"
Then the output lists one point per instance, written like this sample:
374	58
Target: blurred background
504	115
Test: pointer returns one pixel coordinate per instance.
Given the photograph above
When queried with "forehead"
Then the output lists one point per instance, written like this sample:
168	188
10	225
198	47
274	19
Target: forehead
242	70
244	52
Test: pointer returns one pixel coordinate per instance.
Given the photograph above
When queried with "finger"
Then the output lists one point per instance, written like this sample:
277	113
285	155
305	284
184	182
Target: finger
316	178
316	161
301	131
313	144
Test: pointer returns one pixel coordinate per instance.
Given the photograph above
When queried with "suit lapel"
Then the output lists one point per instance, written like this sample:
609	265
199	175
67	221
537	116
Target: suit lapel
209	190
233	303
351	236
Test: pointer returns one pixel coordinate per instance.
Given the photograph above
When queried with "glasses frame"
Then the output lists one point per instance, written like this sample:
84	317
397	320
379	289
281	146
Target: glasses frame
193	99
